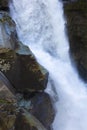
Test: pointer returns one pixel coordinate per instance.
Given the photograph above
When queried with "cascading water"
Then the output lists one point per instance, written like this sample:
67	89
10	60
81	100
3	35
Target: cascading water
40	24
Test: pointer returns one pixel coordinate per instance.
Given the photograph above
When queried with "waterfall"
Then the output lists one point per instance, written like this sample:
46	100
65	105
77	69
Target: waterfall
41	26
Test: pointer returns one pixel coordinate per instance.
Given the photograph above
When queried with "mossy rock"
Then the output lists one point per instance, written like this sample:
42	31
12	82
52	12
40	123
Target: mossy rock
22	70
8	108
17	61
76	16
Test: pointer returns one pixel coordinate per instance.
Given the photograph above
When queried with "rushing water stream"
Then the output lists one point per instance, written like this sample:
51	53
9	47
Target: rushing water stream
40	25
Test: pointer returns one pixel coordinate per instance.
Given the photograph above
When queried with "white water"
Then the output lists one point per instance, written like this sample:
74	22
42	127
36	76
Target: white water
40	24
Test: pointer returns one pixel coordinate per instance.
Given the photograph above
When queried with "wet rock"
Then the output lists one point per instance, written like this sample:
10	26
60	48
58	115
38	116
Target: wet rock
76	15
4	79
11	113
17	62
27	122
8	36
22	70
42	108
24	73
6	94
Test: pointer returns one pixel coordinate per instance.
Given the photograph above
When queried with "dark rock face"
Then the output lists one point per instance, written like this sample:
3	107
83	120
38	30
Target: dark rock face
40	105
23	71
42	109
76	15
27	122
68	1
4	5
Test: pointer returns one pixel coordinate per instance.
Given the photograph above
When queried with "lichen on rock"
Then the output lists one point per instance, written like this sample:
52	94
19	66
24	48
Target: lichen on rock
4	66
22	70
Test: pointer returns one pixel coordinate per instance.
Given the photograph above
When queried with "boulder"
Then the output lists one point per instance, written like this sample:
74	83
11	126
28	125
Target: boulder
22	70
40	105
11	113
42	108
76	16
17	62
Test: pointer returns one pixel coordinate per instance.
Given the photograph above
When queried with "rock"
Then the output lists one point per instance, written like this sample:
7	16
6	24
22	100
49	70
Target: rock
8	35
2	125
76	15
10	115
11	112
8	108
22	70
5	93
27	122
7	83
67	1
17	61
42	108
40	105
19	72
4	5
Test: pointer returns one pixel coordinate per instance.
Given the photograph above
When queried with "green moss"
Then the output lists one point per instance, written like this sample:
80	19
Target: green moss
2	101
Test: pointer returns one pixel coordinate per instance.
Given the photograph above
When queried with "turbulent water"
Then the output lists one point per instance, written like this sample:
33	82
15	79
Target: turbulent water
41	26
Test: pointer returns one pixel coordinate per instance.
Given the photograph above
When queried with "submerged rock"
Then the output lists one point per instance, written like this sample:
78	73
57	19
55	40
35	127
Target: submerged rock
76	15
22	70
